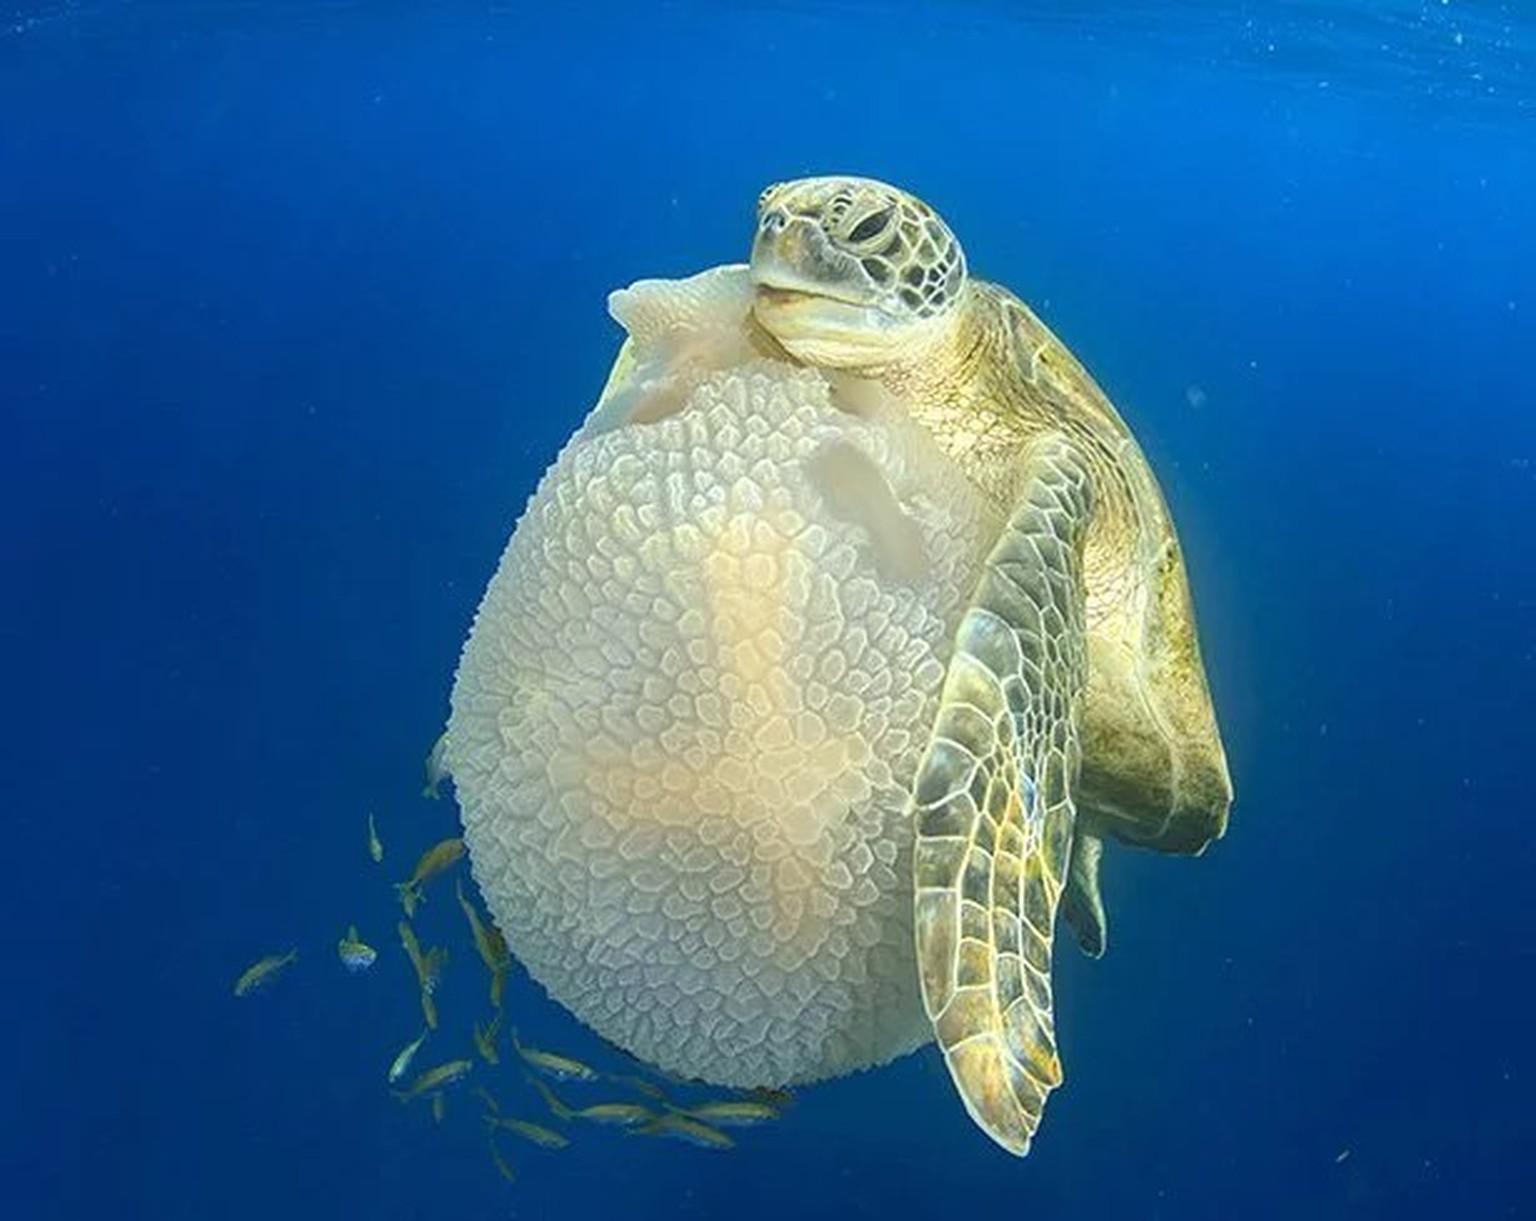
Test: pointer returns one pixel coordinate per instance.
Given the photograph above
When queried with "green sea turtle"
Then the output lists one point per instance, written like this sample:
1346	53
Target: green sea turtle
820	664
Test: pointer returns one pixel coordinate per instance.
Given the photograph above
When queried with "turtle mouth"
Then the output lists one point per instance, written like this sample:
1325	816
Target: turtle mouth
818	319
771	295
779	292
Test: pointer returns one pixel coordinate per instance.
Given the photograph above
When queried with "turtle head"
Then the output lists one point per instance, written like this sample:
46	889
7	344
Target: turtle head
850	273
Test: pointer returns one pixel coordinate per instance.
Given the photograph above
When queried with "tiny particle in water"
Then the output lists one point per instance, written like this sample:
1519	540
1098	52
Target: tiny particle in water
1343	1156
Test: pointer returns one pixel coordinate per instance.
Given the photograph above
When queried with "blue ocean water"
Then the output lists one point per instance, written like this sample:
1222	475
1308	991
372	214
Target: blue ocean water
296	303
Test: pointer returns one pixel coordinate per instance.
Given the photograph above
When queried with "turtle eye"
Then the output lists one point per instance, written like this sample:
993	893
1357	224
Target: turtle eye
871	227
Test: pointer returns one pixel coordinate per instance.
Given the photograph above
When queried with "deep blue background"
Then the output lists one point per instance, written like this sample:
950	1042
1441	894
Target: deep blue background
297	301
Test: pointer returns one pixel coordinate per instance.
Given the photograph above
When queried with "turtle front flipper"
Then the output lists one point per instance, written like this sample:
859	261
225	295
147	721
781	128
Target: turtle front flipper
993	804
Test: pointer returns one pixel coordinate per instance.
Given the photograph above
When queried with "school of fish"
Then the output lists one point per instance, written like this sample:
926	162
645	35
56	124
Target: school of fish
698	1123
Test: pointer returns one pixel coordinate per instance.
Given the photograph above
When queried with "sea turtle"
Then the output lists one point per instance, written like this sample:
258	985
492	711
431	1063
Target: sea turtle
820	664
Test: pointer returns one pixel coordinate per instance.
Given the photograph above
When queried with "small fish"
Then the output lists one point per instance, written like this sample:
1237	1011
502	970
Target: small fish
734	1114
438	1108
773	1097
501	1162
561	1068
649	1088
355	954
429	968
432	964
682	1128
435	1079
485	1096
427	972
260	974
545	1138
410	945
1342	1158
489	943
670	1078
437	768
485	1039
439	858
375	844
556	1108
402	1062
620	1114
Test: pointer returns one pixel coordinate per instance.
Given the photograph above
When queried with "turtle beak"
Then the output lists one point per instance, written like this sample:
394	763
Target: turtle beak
815	298
793	259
